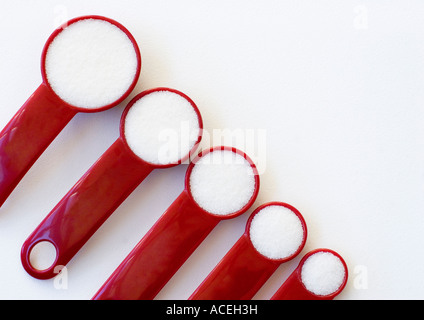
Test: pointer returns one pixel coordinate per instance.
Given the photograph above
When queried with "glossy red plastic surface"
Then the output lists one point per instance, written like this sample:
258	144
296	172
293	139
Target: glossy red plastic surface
294	289
160	253
243	270
86	206
167	245
238	276
41	119
28	134
93	199
124	30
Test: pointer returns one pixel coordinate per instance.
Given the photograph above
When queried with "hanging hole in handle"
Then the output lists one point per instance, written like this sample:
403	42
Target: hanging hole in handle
43	255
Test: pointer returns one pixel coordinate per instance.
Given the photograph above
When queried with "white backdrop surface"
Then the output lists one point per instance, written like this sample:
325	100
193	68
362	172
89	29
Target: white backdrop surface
331	93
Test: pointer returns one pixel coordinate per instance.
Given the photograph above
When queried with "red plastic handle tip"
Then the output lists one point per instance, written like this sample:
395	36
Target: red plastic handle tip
86	206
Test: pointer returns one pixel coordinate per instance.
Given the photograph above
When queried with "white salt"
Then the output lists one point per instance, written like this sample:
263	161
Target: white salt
222	182
323	273
162	127
276	232
91	64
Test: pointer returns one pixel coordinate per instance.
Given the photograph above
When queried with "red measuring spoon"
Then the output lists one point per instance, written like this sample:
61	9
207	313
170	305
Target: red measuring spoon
244	270
42	118
96	196
168	244
294	288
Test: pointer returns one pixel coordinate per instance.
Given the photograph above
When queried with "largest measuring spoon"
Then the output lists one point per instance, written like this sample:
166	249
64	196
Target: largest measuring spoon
89	64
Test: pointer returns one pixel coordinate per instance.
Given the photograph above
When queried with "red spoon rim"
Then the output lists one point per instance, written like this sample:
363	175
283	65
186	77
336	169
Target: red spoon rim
195	108
255	172
72	21
309	254
299	216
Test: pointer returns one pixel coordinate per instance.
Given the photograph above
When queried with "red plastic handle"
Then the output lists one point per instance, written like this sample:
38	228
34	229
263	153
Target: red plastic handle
238	276
161	252
28	134
293	289
87	205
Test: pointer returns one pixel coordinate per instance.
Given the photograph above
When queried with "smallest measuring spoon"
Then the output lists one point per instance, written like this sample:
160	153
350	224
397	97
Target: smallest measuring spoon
321	275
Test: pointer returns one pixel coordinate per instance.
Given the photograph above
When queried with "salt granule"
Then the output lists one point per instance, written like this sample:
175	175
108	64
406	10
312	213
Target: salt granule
162	127
276	232
222	182
323	273
91	63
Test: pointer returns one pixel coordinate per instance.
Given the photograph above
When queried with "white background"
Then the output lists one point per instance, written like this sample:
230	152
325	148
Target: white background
338	87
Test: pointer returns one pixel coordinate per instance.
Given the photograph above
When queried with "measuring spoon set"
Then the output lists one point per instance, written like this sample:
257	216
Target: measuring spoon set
91	64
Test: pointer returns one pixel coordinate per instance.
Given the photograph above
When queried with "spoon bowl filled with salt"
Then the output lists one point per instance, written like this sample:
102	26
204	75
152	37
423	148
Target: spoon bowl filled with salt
89	64
321	275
